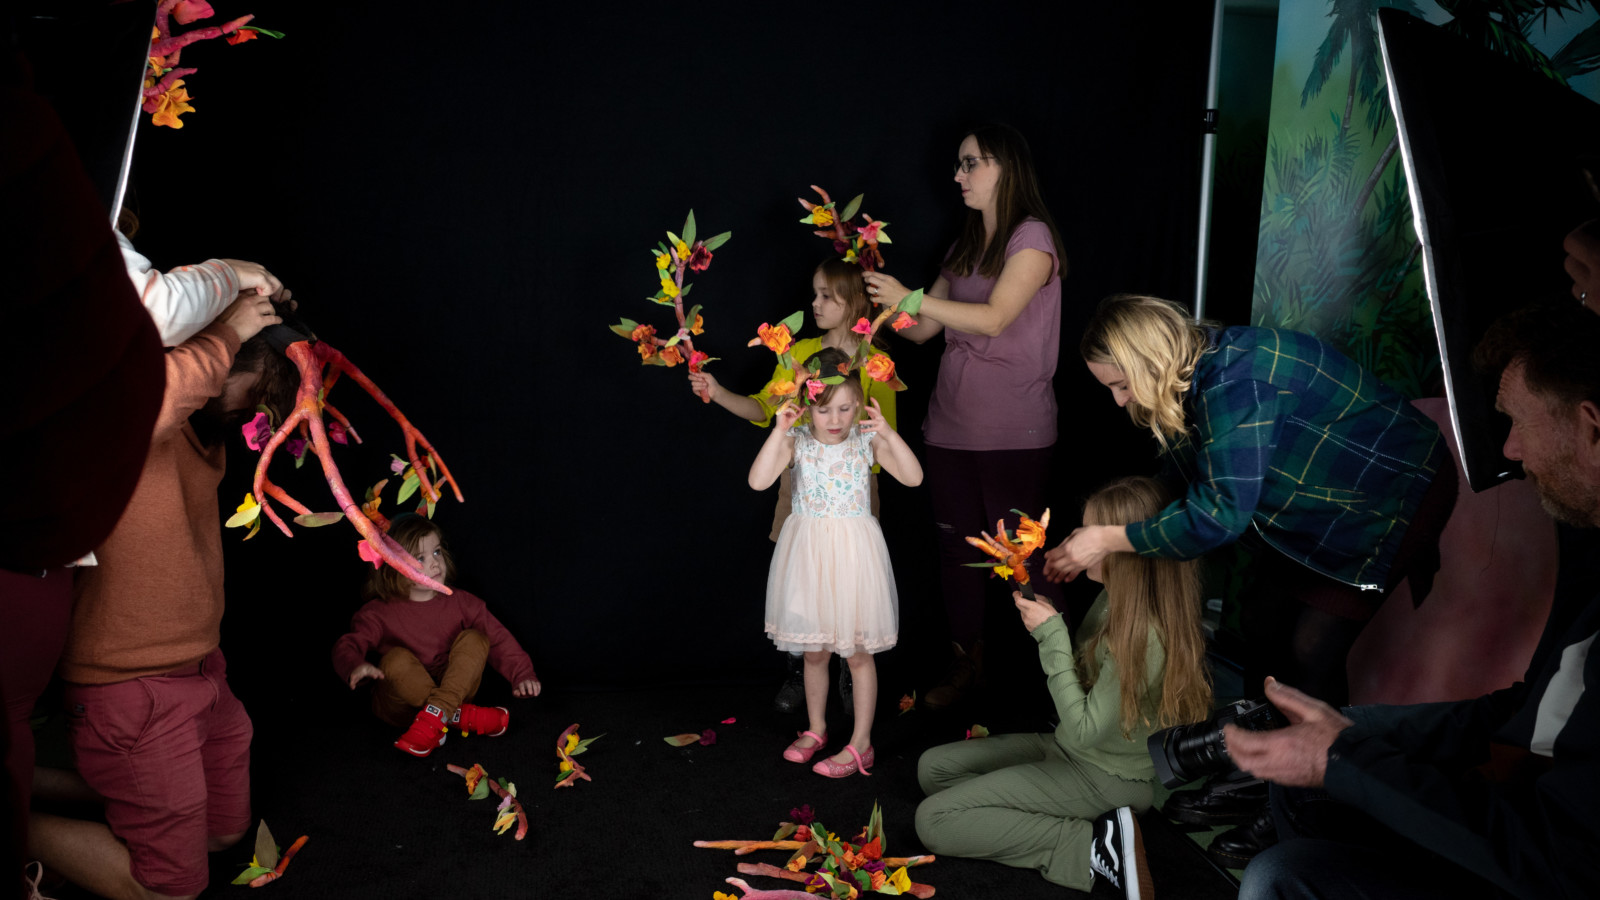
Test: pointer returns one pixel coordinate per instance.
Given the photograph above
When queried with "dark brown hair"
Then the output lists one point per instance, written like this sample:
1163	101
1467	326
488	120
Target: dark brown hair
1018	199
831	358
386	582
1557	345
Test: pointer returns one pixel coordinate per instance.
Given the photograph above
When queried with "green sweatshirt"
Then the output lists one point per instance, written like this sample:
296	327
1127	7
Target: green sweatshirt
1091	721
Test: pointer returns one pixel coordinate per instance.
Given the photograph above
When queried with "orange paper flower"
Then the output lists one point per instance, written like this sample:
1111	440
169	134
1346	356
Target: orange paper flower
774	337
171	105
1013	553
879	367
647	349
698	328
671	356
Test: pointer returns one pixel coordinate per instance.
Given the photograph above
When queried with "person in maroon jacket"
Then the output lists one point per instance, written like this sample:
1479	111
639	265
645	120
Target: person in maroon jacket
432	648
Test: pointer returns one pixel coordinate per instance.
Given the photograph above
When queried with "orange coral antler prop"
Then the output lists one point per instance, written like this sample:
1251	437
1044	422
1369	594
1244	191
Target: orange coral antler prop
310	404
1011	553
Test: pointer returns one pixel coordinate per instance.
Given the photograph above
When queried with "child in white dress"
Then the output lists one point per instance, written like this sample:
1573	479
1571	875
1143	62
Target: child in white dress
831	588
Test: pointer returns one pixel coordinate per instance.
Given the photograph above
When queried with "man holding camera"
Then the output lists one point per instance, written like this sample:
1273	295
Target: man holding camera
1497	796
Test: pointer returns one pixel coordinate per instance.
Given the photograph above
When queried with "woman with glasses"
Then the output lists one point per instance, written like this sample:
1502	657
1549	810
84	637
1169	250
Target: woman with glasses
991	422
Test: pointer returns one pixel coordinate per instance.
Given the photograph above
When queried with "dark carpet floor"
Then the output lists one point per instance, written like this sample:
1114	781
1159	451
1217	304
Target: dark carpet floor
385	825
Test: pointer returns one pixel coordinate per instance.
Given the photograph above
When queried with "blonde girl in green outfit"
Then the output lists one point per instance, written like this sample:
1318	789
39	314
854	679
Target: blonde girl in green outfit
1063	803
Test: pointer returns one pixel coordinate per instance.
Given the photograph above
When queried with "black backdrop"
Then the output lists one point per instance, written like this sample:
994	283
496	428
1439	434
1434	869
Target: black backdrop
462	204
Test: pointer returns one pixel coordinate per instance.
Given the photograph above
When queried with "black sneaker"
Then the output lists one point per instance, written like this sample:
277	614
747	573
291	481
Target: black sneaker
792	695
1117	853
847	693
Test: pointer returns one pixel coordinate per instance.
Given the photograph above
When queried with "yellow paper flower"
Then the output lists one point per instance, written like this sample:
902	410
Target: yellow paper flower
850	256
662	260
901	880
1003	571
249	501
821	216
669	287
683	251
566	765
572	742
171	105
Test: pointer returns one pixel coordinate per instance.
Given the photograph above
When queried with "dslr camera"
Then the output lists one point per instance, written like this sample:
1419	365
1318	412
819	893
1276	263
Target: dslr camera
1184	753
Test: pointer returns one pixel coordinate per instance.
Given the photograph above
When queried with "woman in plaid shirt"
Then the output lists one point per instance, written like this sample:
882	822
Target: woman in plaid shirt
1340	483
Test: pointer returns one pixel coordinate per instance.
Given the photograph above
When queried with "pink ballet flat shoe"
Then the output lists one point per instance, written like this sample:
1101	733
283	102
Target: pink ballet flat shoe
858	763
803	754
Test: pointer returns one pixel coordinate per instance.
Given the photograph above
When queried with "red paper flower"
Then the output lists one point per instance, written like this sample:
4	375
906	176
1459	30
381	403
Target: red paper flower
242	35
700	259
643	333
369	554
863	325
902	321
338	433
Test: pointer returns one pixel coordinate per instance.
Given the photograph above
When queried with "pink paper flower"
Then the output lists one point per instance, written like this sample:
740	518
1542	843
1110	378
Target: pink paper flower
338	433
709	738
872	231
397	466
729	720
814	388
862	326
369	554
902	321
257	432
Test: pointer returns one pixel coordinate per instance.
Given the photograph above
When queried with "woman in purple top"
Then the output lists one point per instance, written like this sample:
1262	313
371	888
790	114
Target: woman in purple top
992	419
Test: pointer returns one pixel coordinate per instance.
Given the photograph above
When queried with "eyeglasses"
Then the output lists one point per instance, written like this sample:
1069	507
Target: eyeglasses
967	163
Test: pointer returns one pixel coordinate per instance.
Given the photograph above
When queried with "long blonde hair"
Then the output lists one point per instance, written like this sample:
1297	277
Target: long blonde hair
1157	346
1146	593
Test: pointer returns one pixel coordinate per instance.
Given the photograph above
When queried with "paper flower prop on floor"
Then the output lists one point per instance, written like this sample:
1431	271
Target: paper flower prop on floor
305	424
844	869
672	259
509	812
165	96
1011	551
568	745
267	866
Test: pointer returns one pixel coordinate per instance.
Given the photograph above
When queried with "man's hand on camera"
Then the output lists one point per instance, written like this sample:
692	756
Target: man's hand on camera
1296	756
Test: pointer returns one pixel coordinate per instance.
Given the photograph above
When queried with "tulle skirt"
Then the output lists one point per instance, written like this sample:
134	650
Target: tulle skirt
831	587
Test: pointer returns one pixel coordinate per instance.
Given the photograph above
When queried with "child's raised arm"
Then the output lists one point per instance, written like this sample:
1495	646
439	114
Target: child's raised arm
889	448
777	452
705	384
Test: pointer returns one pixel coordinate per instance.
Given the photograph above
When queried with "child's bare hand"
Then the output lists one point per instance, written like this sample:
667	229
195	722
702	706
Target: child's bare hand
788	414
248	314
528	687
874	421
703	383
363	672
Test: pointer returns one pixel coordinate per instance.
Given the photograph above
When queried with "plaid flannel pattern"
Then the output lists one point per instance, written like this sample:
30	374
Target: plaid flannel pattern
1286	432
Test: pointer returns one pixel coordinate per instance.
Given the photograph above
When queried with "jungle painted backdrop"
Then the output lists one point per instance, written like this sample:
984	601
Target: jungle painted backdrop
1337	254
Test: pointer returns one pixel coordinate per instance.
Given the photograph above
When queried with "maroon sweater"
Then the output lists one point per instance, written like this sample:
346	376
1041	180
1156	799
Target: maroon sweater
427	629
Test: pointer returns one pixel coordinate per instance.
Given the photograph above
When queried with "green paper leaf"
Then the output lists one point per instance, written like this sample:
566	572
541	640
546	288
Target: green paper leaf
245	517
682	740
317	520
794	321
883	237
672	341
978	731
851	208
783	833
833	379
622	331
255	529
983	565
718	241
266	847
912	303
673	239
810	219
301	459
250	874
688	230
685	291
408	487
272	417
688	317
431	505
481	790
663	248
584	744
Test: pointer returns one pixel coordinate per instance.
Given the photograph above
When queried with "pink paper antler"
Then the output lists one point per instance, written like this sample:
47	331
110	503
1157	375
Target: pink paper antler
310	404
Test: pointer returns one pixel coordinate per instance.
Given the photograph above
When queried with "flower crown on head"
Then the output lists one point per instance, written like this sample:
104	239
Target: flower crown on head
855	243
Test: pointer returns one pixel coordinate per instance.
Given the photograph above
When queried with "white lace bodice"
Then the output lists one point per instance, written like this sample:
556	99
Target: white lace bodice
832	480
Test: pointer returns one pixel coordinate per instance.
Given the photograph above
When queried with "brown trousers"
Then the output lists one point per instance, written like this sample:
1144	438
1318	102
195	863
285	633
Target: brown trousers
407	685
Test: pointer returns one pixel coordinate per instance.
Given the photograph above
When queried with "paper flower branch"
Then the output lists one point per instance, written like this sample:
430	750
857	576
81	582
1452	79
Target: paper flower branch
267	866
672	260
856	243
509	812
165	96
305	425
1011	551
845	869
568	745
